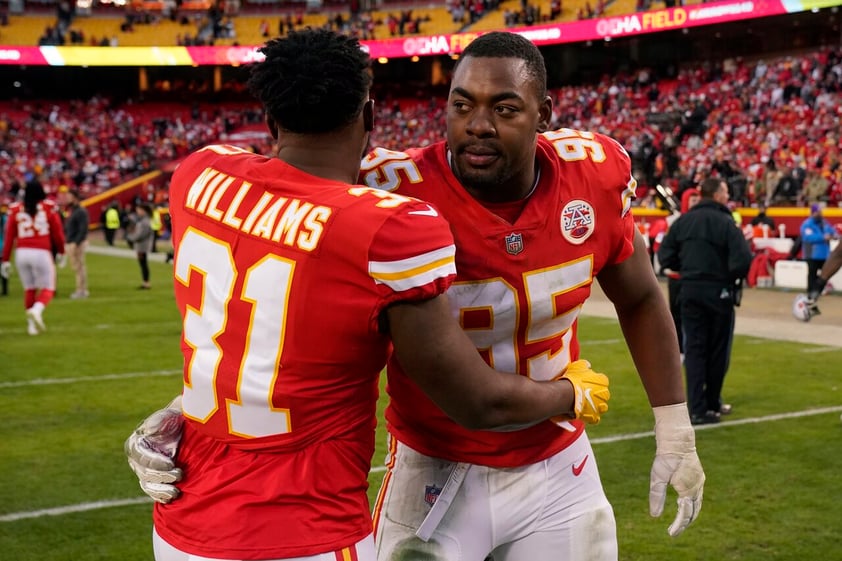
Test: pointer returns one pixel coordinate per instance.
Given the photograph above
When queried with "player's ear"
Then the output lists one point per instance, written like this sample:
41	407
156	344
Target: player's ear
368	115
273	127
545	115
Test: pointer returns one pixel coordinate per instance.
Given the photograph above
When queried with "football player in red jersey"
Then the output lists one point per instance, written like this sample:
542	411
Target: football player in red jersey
291	281
536	217
34	228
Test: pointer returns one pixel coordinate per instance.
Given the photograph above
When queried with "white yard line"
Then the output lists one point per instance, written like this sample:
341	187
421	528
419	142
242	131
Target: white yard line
83	507
50	381
100	326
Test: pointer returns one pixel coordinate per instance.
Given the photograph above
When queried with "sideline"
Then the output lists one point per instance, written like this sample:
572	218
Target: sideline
784	329
787	329
84	507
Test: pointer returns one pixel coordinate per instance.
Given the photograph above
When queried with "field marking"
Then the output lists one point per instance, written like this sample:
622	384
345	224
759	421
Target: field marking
50	381
176	328
96	505
820	350
81	507
590	342
747	421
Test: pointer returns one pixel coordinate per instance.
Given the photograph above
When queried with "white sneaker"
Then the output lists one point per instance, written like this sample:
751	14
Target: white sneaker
35	314
30	327
79	295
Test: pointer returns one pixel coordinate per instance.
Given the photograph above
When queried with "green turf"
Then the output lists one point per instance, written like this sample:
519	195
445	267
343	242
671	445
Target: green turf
773	490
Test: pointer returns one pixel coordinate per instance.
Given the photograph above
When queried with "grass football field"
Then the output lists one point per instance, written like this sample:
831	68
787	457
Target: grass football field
70	396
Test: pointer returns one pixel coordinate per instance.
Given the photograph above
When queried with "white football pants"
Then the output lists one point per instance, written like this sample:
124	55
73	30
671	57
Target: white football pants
554	510
36	268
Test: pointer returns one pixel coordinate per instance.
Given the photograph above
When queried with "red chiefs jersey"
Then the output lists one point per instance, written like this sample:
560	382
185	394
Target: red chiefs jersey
281	278
42	231
519	287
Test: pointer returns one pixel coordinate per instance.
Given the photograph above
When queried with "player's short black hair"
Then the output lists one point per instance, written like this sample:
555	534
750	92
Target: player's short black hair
710	186
312	81
503	44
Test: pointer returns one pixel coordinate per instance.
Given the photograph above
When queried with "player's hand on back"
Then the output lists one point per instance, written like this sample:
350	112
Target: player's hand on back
151	451
676	464
590	390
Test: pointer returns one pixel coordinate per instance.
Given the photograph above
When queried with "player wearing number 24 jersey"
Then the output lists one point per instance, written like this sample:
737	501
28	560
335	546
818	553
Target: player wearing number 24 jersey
34	229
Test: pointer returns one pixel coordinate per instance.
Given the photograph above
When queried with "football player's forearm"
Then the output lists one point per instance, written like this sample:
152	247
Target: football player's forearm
647	325
653	344
438	356
525	402
833	263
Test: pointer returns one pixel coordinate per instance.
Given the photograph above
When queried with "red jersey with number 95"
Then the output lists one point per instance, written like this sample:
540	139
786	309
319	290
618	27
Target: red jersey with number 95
281	278
520	286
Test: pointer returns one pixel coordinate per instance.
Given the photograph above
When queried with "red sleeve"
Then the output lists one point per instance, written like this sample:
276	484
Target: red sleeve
621	193
412	256
11	235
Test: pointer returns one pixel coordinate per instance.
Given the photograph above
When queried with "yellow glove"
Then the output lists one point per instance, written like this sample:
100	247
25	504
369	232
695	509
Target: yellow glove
590	390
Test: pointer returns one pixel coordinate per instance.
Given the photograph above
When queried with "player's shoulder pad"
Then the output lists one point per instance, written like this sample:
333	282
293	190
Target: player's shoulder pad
602	159
579	144
206	155
386	201
390	169
224	149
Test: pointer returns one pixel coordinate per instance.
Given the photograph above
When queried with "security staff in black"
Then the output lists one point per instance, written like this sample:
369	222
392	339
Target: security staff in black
712	256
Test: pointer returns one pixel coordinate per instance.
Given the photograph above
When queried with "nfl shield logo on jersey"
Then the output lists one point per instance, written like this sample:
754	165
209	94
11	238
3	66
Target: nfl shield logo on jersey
431	493
514	243
577	221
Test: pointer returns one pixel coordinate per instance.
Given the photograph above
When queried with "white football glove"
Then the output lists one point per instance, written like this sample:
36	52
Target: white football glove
151	451
61	260
677	464
5	269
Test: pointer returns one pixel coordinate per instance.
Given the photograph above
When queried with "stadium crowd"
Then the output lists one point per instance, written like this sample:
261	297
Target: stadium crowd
217	21
770	128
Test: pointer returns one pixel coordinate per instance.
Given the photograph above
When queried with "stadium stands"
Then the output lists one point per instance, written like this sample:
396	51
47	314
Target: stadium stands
156	23
787	110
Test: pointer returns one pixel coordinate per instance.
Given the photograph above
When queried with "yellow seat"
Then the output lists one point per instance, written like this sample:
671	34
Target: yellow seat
25	30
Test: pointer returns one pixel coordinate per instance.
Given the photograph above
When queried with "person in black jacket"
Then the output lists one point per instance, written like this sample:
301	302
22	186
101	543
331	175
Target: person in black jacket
76	238
712	256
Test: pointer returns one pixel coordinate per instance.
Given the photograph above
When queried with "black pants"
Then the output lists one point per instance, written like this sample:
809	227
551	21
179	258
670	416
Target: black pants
707	319
813	268
144	266
109	235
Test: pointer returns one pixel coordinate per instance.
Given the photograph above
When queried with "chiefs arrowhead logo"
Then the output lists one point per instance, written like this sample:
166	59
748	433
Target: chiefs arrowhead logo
577	221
